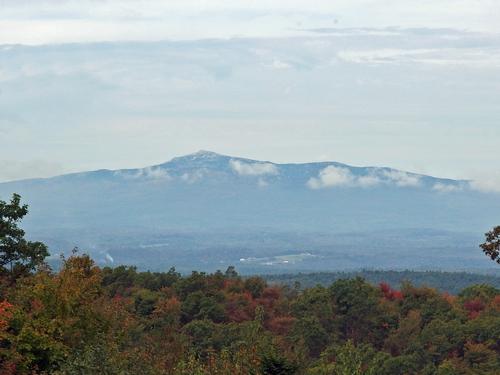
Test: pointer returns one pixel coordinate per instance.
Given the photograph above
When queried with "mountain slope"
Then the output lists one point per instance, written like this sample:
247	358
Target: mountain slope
203	209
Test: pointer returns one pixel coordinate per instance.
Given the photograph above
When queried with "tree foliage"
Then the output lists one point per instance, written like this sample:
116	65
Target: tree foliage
17	255
491	247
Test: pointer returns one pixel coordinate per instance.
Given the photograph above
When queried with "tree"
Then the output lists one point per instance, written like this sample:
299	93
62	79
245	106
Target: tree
17	255
491	247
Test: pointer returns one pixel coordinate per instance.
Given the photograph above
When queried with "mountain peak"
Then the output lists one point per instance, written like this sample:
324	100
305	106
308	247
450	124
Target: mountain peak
205	154
201	157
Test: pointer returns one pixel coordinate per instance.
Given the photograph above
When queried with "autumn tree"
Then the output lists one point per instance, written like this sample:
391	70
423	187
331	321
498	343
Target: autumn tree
17	255
491	247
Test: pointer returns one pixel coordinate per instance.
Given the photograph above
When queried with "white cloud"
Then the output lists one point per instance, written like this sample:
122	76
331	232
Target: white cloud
278	64
468	57
41	21
402	179
332	176
253	169
368	181
446	188
380	56
149	173
192	177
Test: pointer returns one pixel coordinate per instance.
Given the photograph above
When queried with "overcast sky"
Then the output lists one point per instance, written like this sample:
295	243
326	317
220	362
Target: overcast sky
114	84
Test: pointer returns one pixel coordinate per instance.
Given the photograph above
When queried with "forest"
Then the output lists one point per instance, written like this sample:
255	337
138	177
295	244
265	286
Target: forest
83	319
450	282
87	320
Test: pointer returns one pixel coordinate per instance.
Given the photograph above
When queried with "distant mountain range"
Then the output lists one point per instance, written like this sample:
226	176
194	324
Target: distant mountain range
207	210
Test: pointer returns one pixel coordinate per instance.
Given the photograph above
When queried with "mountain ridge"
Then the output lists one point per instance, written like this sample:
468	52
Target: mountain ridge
201	210
205	155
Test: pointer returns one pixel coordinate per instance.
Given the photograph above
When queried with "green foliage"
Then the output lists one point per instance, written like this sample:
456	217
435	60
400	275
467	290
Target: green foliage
18	256
357	314
276	364
491	247
450	282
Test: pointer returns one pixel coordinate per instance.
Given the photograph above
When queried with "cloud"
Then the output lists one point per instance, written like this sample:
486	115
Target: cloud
40	22
380	56
279	65
469	57
368	181
402	179
332	176
253	169
446	188
89	104
148	173
192	177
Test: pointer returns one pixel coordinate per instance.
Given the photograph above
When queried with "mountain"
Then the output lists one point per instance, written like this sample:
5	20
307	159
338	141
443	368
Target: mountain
207	210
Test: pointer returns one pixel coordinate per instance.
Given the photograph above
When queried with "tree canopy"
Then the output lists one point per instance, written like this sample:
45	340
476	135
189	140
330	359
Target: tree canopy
491	247
18	256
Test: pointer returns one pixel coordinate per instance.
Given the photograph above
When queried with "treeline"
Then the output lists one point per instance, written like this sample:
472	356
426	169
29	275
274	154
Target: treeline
87	320
450	282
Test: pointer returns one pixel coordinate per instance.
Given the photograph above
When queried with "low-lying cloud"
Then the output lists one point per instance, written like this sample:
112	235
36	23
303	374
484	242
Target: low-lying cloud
148	173
446	188
402	179
253	169
192	177
333	176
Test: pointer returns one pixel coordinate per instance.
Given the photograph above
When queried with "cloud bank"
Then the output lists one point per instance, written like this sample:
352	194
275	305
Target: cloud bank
402	179
253	169
446	188
334	176
148	173
41	21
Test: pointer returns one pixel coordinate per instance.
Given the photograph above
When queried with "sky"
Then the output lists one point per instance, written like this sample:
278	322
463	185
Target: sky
92	84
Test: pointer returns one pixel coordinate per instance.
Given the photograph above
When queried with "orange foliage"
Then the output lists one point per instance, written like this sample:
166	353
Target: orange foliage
389	293
240	307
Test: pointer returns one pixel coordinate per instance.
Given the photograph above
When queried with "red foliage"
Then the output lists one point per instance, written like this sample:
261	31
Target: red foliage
8	368
269	297
474	307
5	314
389	293
240	307
495	303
